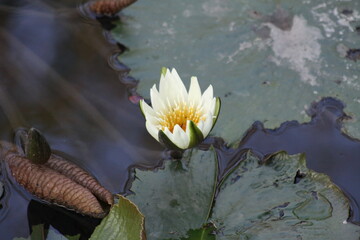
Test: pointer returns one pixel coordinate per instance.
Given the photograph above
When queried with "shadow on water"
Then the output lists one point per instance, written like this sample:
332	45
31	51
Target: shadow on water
55	76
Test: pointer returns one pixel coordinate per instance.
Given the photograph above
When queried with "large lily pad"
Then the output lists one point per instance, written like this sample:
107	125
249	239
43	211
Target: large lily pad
278	198
123	222
281	199
177	198
288	52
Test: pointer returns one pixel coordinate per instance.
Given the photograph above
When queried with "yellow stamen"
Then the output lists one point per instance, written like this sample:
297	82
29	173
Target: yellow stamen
179	114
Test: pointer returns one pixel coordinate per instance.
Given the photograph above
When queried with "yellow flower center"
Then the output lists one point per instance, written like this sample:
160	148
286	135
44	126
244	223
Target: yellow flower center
179	115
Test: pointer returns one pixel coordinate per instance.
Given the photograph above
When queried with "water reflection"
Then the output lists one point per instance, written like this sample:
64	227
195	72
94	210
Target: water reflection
55	76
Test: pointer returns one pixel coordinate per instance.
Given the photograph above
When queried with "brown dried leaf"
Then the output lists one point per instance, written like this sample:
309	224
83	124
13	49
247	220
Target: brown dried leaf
109	7
80	176
52	186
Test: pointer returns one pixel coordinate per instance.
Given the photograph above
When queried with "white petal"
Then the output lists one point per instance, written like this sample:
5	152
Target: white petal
207	96
180	138
209	106
156	101
176	137
154	131
200	125
146	109
166	88
208	123
178	85
194	92
153	120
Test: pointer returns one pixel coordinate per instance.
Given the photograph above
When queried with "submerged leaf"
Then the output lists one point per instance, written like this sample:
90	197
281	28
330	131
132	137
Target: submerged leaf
123	222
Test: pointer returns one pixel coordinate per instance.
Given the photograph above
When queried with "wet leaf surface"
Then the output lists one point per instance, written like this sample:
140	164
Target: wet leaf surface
178	197
124	221
272	198
204	233
261	200
267	60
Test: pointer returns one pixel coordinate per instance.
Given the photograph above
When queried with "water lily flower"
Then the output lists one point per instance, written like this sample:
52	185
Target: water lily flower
180	119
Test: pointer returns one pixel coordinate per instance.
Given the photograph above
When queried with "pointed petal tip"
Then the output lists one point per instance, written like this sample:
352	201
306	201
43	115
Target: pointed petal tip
217	107
141	106
163	71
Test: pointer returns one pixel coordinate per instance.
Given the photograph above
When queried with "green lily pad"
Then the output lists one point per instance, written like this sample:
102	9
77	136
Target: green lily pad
281	199
277	198
251	52
204	233
123	222
177	198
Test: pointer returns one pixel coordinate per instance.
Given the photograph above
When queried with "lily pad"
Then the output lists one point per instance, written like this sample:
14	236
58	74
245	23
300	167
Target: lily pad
251	52
281	199
204	233
275	198
177	198
123	222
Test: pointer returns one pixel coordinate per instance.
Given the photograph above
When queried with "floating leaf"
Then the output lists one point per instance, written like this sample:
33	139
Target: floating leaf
275	198
204	233
250	51
178	197
281	199
123	222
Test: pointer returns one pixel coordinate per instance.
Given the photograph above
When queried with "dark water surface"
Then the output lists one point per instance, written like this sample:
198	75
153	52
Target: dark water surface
55	76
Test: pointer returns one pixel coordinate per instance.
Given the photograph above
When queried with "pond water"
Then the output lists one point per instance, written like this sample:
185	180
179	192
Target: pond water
58	74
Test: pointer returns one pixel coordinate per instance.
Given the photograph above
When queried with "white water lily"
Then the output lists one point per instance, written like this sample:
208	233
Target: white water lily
180	119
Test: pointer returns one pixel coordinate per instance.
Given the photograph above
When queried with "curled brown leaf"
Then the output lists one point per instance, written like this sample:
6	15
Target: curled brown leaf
80	176
56	185
109	7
